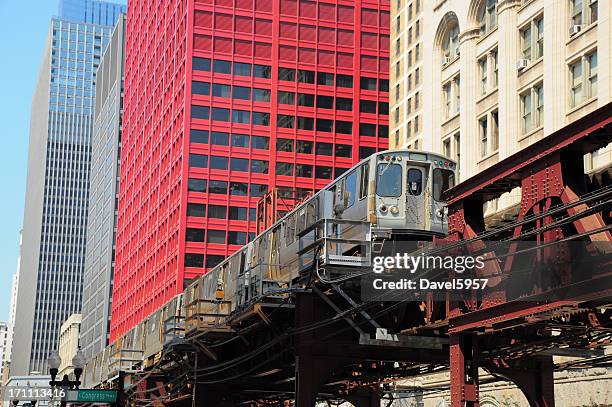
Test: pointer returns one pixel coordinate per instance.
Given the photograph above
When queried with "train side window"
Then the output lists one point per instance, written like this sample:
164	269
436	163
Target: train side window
363	182
415	181
389	180
350	188
442	180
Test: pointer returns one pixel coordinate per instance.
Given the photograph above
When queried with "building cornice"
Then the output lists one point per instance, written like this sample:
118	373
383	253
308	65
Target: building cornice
504	5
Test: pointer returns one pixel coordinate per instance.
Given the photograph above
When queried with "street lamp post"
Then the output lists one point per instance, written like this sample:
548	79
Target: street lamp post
78	362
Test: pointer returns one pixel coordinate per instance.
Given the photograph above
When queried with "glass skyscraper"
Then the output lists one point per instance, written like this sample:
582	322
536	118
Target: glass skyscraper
55	216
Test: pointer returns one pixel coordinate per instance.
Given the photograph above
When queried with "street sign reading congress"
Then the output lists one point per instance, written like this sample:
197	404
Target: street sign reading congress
92	396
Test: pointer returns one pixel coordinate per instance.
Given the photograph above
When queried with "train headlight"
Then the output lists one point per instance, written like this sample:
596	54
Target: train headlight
383	208
394	209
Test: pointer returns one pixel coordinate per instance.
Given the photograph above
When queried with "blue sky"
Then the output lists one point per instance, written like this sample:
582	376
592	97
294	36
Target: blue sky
23	33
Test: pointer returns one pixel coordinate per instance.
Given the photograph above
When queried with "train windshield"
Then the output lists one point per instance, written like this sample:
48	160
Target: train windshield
442	180
389	180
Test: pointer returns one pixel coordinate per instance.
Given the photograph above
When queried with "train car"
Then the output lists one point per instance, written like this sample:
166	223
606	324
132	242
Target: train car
161	327
392	191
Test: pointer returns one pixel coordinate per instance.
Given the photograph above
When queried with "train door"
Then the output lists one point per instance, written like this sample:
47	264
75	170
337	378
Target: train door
390	205
415	193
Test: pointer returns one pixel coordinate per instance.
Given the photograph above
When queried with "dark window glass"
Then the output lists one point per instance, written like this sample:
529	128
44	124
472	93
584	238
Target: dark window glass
303	170
325	125
323	172
239	189
239	164
364	173
324	78
241	116
304	147
305	99
223	91
218	163
388	179
237	213
261	119
217	211
368	83
305	76
200	88
283	144
415	181
383	85
286	74
259	166
217	187
198	136
284	121
367	106
194	260
196	185
194	235
258	190
213	260
325	102
199	112
365	152
344	150
344	81
260	143
198	160
442	180
216	236
383	131
222	115
286	98
240	140
222	66
236	238
284	169
261	95
343	127
339	171
305	123
344	104
252	214
219	138
201	64
367	129
262	71
197	210
241	92
242	69
324	148
383	108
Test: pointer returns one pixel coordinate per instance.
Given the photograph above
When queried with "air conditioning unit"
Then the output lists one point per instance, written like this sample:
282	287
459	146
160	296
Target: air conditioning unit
445	61
522	64
574	29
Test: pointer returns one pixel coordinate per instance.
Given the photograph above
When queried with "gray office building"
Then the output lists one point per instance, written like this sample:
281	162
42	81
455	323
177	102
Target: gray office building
55	215
103	196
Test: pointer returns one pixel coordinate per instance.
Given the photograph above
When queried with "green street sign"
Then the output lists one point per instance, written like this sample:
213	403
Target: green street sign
92	396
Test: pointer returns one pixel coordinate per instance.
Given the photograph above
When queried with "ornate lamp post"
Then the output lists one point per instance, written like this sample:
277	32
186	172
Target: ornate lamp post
78	362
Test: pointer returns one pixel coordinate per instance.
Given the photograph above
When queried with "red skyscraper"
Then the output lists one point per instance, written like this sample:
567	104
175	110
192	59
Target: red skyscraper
224	100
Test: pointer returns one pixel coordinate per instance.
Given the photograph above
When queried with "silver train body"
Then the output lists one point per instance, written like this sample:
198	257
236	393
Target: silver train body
396	190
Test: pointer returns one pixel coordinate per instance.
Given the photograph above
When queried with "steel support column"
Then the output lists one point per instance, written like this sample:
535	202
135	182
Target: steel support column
535	379
364	397
464	370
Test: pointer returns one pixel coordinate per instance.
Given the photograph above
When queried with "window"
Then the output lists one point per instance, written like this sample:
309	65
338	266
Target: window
223	91
304	147
261	119
324	78
389	180
365	152
261	95
196	185
200	112
198	136
285	121
303	170
446	91
262	71
383	131
241	116
344	81
194	235
495	69
396	115
350	188
325	102
286	98
487	16
237	213
196	210
260	143
367	129
532	39
325	125
222	67
201	64
217	187
457	87
363	180
240	140
241	92
305	99
397	92
494	131
592	68
222	115
305	76
344	150
259	166
323	172
215	236
217	211
258	190
324	149
343	127
367	106
368	83
238	238
383	108
200	88
239	189
398	46
213	260
285	169
219	138
450	44
239	164
446	147
218	163
305	123
442	181
383	85
284	145
194	260
482	70
583	74
198	161
398	69
242	69
584	12
415	181
344	104
286	74
483	132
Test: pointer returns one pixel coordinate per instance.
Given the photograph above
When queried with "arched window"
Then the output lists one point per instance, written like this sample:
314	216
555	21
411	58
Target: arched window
487	16
450	45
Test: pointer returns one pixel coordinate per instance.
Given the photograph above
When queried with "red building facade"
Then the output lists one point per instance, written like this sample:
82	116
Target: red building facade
225	100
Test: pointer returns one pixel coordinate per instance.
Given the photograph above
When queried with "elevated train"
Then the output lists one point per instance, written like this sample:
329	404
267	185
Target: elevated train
397	191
